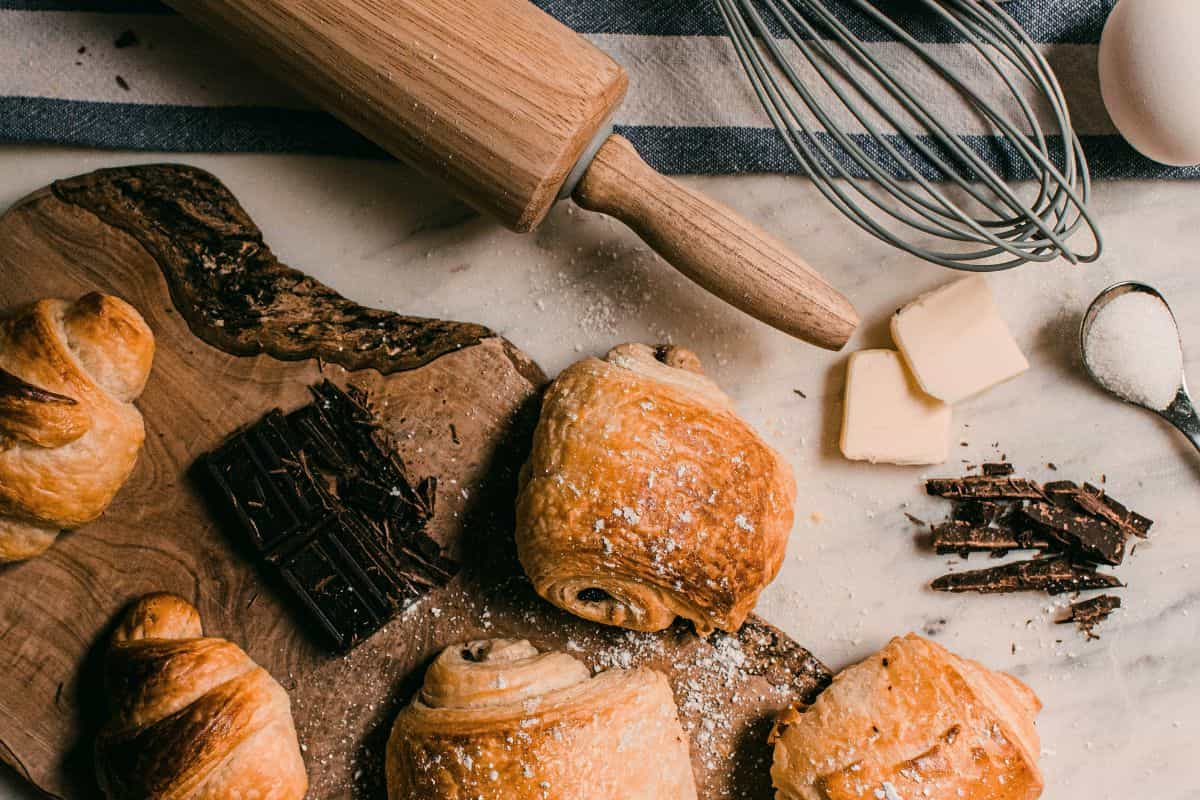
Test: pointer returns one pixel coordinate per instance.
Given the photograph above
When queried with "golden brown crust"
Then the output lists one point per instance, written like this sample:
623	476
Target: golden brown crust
646	496
69	433
498	720
192	717
914	720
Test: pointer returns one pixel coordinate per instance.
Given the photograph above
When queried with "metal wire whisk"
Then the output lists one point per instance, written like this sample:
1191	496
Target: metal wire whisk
907	177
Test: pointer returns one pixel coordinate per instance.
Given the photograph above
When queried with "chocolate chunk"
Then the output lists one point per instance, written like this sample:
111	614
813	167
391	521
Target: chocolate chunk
1097	502
976	512
1087	614
998	469
963	537
324	498
1052	575
984	487
1061	493
1093	538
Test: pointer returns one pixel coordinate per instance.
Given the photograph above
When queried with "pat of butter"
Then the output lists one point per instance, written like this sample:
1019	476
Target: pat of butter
887	418
955	342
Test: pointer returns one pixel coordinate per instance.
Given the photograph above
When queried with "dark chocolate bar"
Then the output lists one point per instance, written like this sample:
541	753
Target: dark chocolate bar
324	498
984	487
1092	538
1052	575
962	537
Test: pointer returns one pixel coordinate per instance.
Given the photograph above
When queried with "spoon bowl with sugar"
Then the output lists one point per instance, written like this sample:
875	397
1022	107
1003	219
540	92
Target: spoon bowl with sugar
1131	348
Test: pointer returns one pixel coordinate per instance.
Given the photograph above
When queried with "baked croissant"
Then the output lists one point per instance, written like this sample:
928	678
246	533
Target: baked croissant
192	717
69	432
497	720
646	496
912	721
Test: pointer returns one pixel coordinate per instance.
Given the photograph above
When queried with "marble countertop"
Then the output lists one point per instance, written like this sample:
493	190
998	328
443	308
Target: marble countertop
1122	714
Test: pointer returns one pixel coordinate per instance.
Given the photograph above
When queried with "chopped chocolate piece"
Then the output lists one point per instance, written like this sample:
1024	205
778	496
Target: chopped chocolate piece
998	469
1097	502
324	498
1061	493
1093	538
984	487
962	537
976	512
1087	614
1052	575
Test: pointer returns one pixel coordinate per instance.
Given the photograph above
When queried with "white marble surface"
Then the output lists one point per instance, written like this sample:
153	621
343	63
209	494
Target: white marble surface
1122	714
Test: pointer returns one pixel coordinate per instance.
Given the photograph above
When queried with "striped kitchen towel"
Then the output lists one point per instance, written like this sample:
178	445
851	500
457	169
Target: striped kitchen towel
131	74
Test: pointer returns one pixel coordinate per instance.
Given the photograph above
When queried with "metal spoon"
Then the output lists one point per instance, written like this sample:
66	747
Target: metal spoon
1181	412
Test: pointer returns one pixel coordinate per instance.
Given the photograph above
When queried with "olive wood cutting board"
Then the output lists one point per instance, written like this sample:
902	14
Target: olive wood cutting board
239	334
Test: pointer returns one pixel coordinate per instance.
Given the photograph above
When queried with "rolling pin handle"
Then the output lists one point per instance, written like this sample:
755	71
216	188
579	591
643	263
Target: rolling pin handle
716	247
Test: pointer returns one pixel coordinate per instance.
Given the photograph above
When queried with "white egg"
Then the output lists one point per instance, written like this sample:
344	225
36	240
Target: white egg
1149	63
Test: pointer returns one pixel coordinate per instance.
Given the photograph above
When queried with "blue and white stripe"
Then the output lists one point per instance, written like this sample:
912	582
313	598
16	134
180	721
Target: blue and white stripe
690	109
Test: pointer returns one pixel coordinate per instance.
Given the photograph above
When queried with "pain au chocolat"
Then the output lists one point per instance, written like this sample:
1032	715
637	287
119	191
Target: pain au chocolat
646	497
499	720
912	721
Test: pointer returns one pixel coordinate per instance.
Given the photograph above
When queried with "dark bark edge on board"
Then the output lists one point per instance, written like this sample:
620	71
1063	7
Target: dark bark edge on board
236	295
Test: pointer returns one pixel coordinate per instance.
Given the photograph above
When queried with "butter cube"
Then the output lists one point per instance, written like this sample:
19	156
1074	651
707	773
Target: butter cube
955	342
887	418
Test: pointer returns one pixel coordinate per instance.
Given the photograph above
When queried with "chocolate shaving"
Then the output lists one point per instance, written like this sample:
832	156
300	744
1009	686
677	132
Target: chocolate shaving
998	469
1087	614
958	536
325	499
1053	575
984	487
1093	538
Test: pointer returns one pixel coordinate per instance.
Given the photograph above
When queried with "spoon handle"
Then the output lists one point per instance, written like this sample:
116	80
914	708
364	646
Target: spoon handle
1182	414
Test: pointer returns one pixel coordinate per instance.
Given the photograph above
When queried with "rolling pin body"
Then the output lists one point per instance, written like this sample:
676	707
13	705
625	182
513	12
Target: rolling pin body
500	101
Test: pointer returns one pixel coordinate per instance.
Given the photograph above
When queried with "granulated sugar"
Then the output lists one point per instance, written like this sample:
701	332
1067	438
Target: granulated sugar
1133	349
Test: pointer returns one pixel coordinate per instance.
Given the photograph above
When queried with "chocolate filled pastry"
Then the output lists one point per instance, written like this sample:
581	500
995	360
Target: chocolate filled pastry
913	721
192	717
498	720
647	497
69	432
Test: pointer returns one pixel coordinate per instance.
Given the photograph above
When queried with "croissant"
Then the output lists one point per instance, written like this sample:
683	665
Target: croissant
912	721
497	720
69	432
192	717
646	497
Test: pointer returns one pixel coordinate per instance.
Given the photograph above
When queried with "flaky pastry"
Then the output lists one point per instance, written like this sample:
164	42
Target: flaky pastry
647	497
192	717
69	432
912	721
497	720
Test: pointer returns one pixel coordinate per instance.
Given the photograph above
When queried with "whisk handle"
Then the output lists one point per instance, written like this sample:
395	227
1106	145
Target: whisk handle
715	247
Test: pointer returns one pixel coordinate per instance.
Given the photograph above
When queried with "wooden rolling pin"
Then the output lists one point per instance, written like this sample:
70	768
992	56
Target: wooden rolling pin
511	108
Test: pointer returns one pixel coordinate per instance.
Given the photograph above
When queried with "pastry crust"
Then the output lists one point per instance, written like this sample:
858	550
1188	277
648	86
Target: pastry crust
192	717
912	721
497	720
69	432
646	496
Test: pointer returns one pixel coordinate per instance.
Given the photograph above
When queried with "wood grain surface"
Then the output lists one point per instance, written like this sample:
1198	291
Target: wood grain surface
717	248
461	403
496	98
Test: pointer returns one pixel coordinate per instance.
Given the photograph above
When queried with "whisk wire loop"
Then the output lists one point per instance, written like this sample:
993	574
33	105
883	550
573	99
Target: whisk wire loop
892	178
